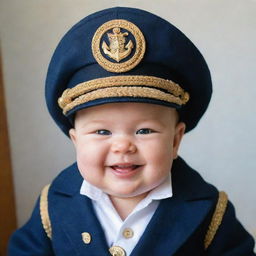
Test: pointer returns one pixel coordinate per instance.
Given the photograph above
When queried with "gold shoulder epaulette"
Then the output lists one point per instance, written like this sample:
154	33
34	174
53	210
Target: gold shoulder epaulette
44	211
216	218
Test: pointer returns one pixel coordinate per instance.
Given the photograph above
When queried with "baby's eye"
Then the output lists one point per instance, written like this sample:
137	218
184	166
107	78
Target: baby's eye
144	131
103	132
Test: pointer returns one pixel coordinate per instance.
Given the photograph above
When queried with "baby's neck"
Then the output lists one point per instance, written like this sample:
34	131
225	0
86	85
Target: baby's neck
124	206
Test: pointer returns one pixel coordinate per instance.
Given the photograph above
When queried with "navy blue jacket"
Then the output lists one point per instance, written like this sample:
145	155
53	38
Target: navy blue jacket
178	226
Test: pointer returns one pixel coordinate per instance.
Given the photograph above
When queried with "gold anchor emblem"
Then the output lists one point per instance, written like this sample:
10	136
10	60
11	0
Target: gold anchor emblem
117	49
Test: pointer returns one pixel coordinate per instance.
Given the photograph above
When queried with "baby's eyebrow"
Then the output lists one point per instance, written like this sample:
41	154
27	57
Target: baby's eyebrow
95	122
99	121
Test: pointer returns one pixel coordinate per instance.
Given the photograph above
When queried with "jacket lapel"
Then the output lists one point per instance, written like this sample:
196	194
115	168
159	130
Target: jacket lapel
178	217
172	224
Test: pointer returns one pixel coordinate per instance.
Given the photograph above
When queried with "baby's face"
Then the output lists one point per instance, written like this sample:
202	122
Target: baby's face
126	149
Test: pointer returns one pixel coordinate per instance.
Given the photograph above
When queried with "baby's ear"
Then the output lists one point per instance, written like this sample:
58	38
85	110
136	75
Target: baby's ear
72	135
179	132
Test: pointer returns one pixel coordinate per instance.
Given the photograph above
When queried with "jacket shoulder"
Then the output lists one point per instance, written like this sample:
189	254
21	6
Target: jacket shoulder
189	184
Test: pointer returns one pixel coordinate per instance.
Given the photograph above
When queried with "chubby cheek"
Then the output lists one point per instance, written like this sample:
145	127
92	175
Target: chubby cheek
160	153
161	164
90	162
160	160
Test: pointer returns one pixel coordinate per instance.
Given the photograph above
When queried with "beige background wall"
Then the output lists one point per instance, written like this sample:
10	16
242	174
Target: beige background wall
222	148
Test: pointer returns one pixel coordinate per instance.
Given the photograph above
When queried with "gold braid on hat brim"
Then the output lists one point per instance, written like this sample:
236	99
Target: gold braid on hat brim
123	86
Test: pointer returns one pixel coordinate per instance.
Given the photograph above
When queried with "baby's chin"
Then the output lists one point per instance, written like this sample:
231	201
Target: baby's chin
128	195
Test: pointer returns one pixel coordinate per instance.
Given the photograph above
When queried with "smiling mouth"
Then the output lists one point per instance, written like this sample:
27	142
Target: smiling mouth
124	168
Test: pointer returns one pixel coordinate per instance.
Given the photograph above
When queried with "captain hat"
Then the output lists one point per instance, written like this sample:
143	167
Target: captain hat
126	55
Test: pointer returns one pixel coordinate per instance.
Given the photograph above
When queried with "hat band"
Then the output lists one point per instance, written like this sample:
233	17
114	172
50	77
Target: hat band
123	86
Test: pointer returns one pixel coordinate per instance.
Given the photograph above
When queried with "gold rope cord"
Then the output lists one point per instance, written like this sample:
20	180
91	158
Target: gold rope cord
121	84
121	92
216	219
44	211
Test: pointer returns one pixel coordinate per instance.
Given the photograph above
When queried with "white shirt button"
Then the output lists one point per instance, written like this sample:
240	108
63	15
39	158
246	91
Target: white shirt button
128	233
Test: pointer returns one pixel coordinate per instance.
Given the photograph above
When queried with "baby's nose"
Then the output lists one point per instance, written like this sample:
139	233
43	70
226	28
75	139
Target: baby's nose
124	146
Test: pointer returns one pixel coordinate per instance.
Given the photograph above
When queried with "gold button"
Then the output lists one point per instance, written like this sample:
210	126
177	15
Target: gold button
86	237
128	233
117	251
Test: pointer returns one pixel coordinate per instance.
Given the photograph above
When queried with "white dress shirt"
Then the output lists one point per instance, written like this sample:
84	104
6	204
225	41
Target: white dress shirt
125	233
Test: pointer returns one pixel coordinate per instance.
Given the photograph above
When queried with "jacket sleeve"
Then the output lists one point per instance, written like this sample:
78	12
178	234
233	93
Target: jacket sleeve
31	239
231	238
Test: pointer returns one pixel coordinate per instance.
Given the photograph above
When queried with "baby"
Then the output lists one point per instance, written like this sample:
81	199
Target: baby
125	85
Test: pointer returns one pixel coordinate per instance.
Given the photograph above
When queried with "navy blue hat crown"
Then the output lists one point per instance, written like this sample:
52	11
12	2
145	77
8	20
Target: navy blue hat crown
126	55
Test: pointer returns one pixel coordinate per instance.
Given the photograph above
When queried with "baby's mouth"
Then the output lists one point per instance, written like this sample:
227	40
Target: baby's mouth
124	168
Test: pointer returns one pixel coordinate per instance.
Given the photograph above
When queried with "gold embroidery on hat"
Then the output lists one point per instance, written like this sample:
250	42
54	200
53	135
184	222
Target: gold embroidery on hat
123	86
64	99
138	92
118	49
